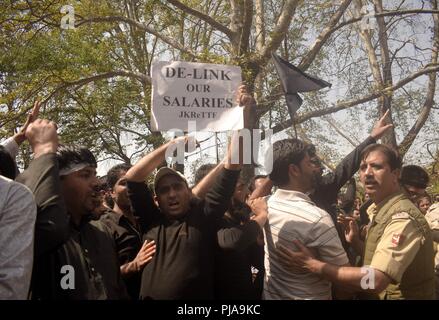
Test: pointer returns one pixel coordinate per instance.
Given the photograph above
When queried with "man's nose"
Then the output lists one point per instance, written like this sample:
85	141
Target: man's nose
172	192
368	171
94	183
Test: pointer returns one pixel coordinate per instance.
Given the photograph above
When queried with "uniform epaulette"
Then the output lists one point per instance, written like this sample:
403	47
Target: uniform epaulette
401	215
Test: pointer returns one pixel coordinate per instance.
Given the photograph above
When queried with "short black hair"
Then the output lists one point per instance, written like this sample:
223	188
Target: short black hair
415	176
251	184
103	187
69	155
102	183
393	158
202	171
114	173
286	152
7	164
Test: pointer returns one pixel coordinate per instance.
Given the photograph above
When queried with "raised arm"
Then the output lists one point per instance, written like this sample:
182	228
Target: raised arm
234	157
12	144
142	169
202	187
217	200
20	136
42	178
141	198
351	163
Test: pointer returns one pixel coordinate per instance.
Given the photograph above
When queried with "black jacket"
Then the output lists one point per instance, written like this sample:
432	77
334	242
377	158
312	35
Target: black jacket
183	265
62	248
128	242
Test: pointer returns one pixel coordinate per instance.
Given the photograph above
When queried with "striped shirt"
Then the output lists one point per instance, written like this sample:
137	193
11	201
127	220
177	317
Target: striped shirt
18	212
292	215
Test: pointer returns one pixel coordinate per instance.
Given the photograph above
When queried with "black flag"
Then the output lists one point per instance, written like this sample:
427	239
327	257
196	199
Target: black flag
293	80
294	101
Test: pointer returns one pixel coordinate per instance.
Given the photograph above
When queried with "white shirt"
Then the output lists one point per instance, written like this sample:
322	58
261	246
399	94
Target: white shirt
432	217
17	223
292	215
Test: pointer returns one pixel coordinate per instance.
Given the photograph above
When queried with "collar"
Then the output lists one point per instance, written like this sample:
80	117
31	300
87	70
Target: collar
375	208
84	220
291	195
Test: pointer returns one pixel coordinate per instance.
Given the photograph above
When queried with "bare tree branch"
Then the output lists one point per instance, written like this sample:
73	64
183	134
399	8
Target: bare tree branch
386	63
336	127
352	103
141	26
279	31
384	14
429	100
323	36
259	24
206	18
106	75
247	26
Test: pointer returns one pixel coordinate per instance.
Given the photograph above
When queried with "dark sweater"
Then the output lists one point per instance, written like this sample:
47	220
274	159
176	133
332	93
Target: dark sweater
237	252
183	265
128	242
89	248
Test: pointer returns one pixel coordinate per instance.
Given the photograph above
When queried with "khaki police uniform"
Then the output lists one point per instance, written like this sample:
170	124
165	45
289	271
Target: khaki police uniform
432	217
399	244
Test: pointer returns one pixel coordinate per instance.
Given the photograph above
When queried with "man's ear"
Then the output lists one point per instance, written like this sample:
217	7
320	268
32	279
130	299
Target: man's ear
397	173
293	170
156	200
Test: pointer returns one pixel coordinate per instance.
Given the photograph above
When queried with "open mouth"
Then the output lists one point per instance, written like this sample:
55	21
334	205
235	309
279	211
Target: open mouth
174	205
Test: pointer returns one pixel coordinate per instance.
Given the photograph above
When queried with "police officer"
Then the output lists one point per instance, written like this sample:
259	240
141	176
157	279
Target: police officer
398	250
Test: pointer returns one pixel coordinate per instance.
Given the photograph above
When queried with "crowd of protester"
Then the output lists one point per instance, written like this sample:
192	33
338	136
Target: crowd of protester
292	234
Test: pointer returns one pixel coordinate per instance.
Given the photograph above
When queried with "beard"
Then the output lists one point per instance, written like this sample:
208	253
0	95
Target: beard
316	179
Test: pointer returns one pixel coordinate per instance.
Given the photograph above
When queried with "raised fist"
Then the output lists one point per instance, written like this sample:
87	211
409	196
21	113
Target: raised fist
42	137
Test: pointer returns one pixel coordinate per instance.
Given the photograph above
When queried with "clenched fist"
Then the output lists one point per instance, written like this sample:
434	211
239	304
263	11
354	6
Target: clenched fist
42	137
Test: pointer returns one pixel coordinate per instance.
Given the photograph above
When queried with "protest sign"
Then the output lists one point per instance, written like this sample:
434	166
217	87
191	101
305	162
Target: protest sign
200	92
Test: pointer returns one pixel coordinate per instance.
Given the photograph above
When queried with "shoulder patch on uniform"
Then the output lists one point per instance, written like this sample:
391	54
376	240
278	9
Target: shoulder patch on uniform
401	215
397	239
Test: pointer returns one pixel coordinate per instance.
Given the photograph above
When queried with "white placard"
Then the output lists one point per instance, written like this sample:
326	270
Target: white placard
200	92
